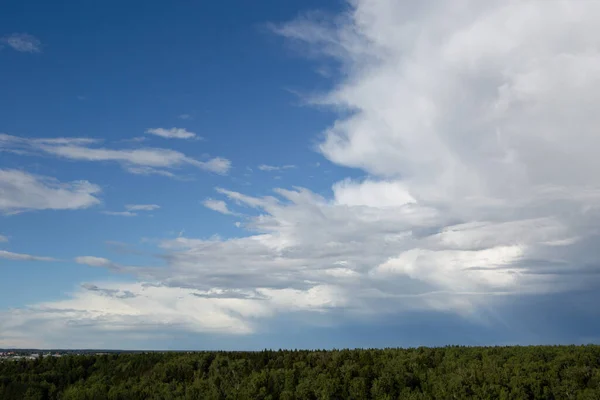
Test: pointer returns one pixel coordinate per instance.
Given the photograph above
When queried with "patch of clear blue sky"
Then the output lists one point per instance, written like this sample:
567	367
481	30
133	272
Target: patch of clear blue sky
113	69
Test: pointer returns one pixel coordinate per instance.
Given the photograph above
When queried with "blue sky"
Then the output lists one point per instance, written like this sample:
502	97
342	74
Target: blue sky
298	174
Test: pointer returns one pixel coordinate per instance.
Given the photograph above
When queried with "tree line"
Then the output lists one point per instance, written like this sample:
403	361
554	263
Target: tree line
534	372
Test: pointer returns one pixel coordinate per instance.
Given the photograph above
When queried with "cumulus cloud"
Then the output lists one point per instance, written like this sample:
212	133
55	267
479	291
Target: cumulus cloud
23	257
21	191
217	165
172	133
372	193
478	136
270	168
146	160
476	126
454	110
23	42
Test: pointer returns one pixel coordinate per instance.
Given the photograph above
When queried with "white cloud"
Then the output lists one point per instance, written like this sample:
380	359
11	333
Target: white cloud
120	213
23	257
23	42
172	133
57	141
3	239
143	273
149	157
217	165
142	207
145	160
269	168
479	184
94	261
104	315
372	193
443	266
21	191
185	116
216	205
131	208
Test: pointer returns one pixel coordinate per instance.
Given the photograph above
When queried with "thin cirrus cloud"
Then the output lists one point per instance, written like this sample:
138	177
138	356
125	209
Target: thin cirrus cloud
270	168
94	261
477	129
142	207
144	160
21	191
132	210
7	255
3	239
173	133
22	42
120	213
100	262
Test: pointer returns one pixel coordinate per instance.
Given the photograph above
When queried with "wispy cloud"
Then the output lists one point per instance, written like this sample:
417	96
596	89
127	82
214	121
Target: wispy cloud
218	205
185	116
100	262
23	42
131	210
23	257
94	261
116	293
173	133
120	213
269	168
21	191
3	239
144	160
142	207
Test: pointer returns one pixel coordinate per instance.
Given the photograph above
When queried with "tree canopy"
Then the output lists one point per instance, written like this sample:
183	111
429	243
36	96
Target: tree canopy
536	372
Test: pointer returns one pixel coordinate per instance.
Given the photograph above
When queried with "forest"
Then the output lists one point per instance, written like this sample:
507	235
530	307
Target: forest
535	372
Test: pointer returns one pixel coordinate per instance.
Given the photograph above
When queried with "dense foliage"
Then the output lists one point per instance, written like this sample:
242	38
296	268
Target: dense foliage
558	372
